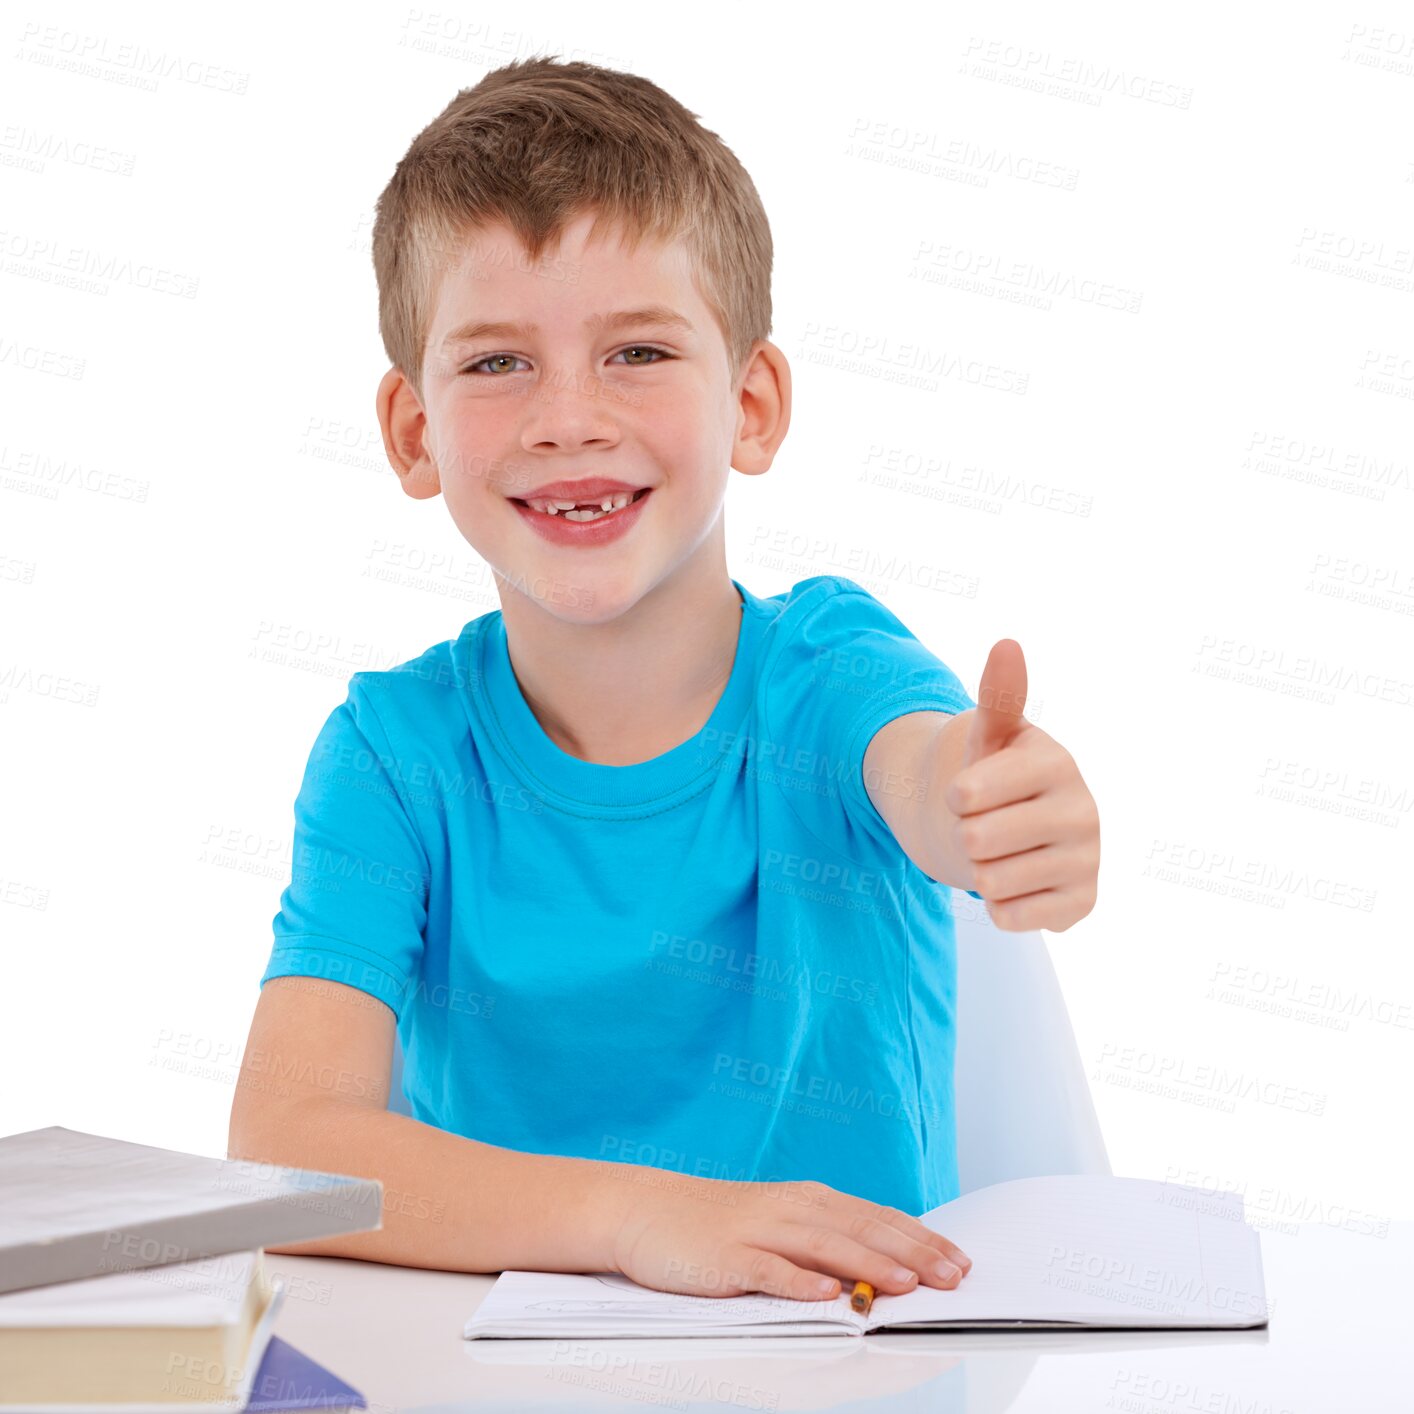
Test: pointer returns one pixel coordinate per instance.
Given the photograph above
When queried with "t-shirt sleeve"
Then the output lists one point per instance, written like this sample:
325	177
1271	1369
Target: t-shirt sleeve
355	909
846	669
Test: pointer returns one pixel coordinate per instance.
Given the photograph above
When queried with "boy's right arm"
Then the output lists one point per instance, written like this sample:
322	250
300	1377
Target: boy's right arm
313	1091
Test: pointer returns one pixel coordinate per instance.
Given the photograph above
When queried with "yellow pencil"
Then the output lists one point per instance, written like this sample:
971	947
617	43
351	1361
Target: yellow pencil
862	1297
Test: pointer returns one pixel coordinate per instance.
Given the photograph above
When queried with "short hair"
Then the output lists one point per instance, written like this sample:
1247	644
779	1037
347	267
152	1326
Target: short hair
538	143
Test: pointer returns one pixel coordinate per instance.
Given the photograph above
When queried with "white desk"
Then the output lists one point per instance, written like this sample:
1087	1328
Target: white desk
1341	1316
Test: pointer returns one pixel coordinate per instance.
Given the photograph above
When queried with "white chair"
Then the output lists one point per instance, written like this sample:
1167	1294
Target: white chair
1023	1103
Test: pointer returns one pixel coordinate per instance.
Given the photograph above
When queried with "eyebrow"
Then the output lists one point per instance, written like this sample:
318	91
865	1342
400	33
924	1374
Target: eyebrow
657	316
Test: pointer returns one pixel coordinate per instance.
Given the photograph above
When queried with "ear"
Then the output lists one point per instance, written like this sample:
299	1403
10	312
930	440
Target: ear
404	427
763	408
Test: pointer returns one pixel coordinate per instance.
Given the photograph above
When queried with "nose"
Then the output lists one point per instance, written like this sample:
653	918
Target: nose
569	412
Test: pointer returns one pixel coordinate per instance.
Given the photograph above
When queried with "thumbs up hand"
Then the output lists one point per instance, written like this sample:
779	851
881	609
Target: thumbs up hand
1027	820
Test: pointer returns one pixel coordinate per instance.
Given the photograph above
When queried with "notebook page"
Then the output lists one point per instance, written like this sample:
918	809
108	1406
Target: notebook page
571	1305
1093	1250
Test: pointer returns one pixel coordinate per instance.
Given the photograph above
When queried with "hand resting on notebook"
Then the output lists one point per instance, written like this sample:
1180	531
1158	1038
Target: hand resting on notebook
799	1240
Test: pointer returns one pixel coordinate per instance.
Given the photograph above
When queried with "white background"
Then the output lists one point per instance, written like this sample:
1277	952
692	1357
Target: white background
1194	514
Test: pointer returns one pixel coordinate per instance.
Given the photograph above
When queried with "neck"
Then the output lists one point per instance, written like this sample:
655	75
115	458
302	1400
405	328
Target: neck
625	691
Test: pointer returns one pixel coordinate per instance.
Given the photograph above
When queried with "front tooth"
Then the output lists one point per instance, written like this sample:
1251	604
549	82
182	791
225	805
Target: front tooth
609	503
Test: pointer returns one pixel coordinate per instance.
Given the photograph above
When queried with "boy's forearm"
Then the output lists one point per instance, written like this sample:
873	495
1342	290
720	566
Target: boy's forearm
908	767
944	760
448	1202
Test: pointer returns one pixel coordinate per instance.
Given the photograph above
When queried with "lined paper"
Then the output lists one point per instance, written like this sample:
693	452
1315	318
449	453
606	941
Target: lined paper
1094	1250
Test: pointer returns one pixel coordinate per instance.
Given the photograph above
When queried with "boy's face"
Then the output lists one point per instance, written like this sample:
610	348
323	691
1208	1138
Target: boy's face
505	412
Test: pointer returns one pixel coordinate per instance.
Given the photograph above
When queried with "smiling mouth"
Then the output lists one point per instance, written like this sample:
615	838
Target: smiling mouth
582	511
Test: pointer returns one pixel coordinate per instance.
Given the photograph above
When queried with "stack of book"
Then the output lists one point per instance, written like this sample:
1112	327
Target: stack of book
134	1276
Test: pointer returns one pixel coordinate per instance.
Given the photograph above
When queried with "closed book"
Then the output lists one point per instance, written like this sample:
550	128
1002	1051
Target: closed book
76	1205
186	1336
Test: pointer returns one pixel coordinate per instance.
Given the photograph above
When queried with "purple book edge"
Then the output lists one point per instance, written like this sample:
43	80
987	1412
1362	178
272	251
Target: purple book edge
289	1380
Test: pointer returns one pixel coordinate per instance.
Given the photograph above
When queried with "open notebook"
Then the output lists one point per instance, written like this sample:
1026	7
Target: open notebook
1069	1251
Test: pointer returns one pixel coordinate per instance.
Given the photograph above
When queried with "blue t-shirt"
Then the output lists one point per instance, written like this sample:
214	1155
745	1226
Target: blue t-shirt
718	961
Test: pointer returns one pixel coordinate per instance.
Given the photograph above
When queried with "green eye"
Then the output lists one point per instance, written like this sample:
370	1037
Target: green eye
644	348
490	358
475	368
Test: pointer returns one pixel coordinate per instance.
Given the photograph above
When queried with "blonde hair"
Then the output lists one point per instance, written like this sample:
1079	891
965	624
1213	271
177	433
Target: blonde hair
538	143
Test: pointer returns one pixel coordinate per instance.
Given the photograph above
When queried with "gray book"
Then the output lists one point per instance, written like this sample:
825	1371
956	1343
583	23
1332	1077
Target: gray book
75	1205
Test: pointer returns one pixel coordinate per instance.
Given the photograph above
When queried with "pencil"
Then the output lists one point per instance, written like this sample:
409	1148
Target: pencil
862	1297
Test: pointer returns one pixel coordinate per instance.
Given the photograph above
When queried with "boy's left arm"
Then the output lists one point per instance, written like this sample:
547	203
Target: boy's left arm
985	800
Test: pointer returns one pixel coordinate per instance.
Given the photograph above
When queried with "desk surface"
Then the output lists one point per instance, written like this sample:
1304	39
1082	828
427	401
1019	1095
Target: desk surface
1340	1314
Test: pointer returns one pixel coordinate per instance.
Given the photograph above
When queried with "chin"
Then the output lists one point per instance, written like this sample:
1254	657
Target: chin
591	599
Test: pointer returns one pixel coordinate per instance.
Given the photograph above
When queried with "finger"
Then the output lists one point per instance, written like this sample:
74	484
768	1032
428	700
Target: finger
1007	830
755	1269
828	1250
924	1242
1052	909
934	1266
1050	867
1032	763
1001	698
1050	818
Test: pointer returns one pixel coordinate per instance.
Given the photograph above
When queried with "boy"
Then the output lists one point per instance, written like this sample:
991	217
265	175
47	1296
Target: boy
650	873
